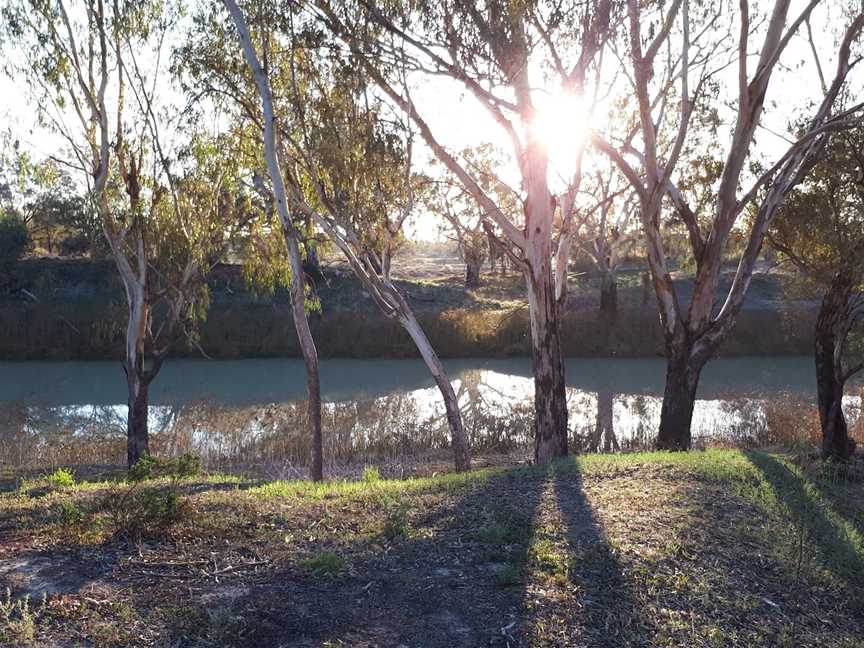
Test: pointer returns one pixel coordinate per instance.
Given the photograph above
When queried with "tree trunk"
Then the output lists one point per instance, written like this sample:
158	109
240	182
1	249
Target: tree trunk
312	263
550	396
472	270
137	433
310	357
679	395
458	439
829	372
137	440
298	283
609	294
605	421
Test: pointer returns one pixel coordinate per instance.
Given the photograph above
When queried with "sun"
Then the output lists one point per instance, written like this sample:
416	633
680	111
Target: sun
561	125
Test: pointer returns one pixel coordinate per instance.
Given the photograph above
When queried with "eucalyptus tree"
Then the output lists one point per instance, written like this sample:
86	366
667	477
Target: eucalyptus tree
44	195
676	55
460	222
210	59
338	158
165	221
461	218
493	50
820	229
608	235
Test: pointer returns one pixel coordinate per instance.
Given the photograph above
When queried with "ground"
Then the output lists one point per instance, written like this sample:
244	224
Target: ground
714	548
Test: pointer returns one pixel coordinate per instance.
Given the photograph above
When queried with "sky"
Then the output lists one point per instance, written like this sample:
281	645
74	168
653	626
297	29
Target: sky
459	121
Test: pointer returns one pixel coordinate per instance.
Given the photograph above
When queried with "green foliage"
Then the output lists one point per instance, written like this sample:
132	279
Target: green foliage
371	476
396	524
821	225
324	564
494	534
14	239
149	467
61	479
820	229
144	510
71	514
510	574
353	161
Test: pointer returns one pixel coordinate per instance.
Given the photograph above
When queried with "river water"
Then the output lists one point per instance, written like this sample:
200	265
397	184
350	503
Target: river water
251	411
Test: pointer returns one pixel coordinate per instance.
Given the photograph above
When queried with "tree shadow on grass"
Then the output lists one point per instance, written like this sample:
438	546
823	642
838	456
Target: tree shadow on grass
822	526
443	578
477	570
608	614
504	558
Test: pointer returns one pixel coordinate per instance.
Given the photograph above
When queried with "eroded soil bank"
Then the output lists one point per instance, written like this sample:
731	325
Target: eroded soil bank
74	310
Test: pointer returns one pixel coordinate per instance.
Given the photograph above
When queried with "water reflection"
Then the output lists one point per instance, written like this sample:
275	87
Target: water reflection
232	414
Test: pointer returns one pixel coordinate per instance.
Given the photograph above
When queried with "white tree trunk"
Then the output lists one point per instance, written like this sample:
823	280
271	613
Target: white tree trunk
458	441
298	298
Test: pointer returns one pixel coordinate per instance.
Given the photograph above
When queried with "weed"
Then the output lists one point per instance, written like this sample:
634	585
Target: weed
371	476
494	534
70	513
395	519
550	558
137	510
324	564
17	620
150	467
61	479
509	575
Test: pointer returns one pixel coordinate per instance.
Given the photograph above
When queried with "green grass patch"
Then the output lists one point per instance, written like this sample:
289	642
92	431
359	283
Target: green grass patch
326	563
510	575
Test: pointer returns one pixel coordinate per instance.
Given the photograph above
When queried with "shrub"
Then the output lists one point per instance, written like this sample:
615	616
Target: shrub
14	239
150	467
396	520
61	478
137	510
70	514
509	575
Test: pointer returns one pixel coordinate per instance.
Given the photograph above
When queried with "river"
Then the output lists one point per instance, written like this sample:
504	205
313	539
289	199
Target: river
250	411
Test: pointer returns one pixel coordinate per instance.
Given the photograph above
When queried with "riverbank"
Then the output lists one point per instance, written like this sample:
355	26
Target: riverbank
74	310
715	548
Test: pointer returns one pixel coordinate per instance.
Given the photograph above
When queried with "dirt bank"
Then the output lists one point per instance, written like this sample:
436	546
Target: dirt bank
75	310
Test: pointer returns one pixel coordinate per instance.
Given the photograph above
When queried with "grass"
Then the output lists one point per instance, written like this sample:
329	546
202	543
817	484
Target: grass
713	548
325	564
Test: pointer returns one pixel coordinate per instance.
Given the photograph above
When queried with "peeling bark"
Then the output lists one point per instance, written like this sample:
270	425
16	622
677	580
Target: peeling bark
310	358
473	263
137	432
458	439
604	426
550	397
